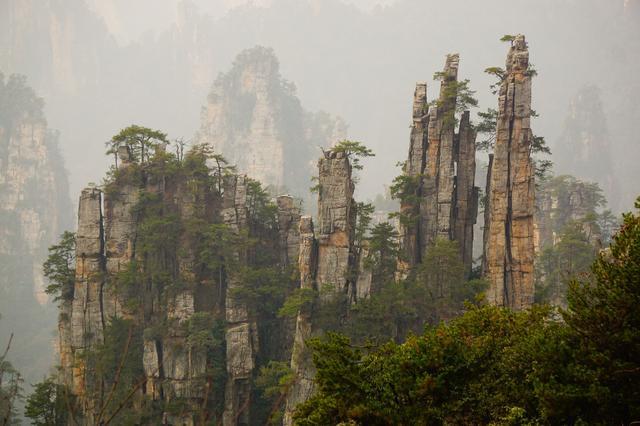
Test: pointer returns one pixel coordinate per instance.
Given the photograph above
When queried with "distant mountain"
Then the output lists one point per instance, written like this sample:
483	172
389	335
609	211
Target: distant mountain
359	63
34	210
255	120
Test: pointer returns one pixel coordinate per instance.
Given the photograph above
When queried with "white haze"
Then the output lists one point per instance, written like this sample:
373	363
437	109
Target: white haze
152	62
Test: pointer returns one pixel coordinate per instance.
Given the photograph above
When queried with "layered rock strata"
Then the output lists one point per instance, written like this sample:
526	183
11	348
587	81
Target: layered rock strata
326	264
440	170
241	333
288	229
87	322
145	256
414	169
443	200
465	210
509	248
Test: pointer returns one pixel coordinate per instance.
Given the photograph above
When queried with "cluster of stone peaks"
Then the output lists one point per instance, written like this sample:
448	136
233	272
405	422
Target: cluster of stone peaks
110	243
441	166
443	204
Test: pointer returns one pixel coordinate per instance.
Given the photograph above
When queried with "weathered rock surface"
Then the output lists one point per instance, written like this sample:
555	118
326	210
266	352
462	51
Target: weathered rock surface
465	210
441	167
241	334
177	368
509	246
288	229
439	171
336	221
326	264
301	360
87	320
415	167
289	234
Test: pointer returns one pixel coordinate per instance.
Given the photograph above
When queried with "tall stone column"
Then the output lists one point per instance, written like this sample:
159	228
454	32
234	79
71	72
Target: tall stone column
288	229
510	245
465	209
120	224
301	359
87	317
441	168
336	219
241	335
414	168
326	264
486	217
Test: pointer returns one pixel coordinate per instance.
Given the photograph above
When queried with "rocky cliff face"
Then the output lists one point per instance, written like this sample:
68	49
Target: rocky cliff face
509	248
34	211
442	199
255	120
326	265
169	256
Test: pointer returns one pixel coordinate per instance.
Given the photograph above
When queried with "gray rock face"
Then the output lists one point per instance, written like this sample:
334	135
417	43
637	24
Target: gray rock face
487	212
585	147
439	171
176	362
415	166
336	218
509	246
301	360
325	264
241	334
465	211
289	233
365	284
87	319
289	229
441	165
120	231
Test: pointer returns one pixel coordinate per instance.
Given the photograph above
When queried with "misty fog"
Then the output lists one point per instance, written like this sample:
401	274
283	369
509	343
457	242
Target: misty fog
319	71
103	65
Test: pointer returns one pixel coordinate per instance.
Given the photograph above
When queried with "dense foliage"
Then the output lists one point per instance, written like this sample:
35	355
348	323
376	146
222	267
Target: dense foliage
59	268
49	404
496	366
182	244
420	349
574	224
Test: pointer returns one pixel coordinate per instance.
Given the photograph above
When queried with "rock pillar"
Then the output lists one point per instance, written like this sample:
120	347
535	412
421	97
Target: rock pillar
509	246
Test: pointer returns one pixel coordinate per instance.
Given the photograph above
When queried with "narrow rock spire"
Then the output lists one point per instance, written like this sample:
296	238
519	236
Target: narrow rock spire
326	264
509	249
440	172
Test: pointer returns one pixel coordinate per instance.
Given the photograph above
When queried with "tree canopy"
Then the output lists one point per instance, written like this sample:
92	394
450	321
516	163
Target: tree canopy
496	366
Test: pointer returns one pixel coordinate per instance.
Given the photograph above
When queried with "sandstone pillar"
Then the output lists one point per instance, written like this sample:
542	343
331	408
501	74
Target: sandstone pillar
326	265
510	245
